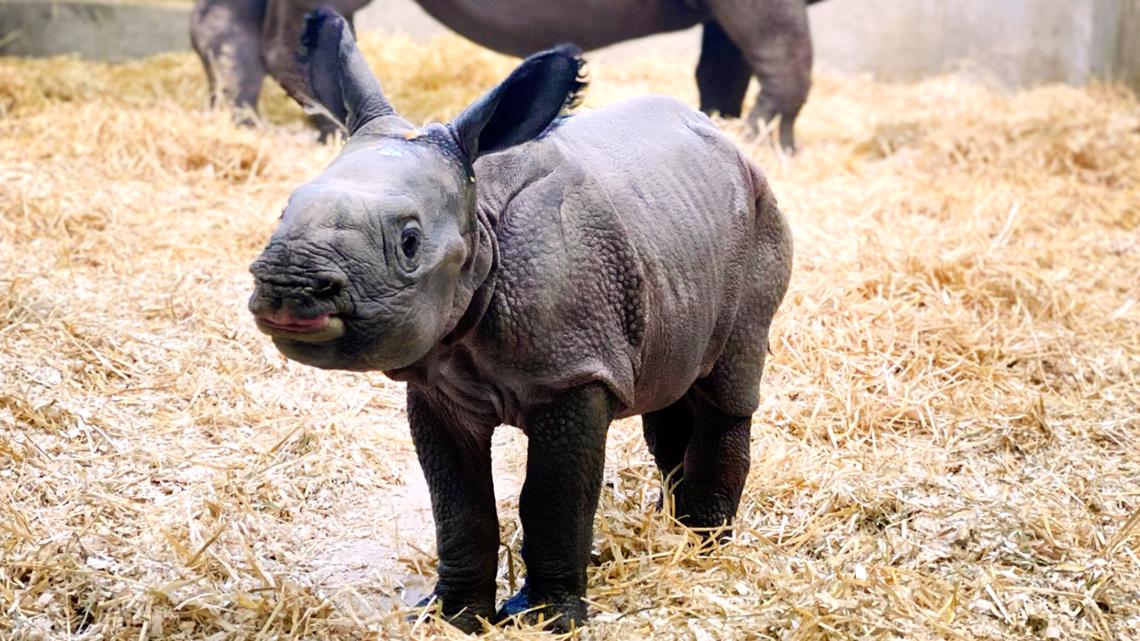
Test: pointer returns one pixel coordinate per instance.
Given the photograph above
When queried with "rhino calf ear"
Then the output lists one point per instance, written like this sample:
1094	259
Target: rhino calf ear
336	75
524	104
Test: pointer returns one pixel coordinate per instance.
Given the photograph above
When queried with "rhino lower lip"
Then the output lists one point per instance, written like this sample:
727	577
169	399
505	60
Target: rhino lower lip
320	330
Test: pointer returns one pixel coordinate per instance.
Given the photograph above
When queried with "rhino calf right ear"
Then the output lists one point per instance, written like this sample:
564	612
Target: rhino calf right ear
337	77
524	104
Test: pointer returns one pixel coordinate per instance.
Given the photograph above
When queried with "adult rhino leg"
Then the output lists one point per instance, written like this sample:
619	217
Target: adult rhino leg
565	460
226	34
722	73
775	39
456	461
667	433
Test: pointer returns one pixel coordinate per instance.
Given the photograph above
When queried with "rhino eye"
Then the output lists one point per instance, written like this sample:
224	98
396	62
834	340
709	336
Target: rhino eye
410	242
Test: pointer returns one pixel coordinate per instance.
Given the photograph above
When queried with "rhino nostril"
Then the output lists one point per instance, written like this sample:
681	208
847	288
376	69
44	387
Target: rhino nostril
261	304
327	286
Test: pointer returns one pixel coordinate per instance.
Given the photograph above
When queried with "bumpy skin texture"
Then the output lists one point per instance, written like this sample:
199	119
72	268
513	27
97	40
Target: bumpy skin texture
239	40
630	257
623	261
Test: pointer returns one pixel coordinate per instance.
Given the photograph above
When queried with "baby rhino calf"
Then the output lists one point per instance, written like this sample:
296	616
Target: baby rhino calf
551	273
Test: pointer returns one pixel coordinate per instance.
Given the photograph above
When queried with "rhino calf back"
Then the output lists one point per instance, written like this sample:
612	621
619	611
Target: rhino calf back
638	248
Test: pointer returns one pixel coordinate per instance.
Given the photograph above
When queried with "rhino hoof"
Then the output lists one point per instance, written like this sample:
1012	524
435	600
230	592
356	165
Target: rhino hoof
466	620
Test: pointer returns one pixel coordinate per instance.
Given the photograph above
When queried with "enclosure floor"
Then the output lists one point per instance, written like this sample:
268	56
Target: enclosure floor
947	446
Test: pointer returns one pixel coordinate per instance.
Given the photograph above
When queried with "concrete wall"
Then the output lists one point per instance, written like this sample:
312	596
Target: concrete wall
100	30
1127	55
1014	42
1011	42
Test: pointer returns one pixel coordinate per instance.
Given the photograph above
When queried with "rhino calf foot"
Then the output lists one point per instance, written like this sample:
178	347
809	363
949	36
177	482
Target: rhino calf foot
560	613
469	619
709	515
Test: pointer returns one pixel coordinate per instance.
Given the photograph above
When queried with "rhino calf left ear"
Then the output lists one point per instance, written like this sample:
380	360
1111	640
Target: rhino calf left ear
524	104
337	77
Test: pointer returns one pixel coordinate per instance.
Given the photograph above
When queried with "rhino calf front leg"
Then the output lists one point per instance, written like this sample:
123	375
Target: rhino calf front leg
565	461
775	39
456	461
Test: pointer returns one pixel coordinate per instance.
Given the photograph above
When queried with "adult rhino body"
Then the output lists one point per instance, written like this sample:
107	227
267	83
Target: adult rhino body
239	40
549	273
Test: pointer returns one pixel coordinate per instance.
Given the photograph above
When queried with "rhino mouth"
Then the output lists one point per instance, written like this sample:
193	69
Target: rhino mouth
323	328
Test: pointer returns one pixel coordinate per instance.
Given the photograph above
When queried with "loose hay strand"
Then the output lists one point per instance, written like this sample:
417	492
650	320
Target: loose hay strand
947	445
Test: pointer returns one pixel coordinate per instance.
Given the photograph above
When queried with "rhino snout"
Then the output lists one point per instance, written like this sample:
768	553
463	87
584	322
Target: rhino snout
298	308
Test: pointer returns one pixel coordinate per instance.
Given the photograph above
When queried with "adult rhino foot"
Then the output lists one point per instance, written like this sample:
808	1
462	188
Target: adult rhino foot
327	130
245	118
558	614
469	619
763	125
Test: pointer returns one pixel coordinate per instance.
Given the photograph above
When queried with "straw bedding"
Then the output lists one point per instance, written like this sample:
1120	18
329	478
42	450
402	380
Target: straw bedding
947	446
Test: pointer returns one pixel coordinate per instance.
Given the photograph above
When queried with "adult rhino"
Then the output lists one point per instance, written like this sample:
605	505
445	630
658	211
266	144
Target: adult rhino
240	40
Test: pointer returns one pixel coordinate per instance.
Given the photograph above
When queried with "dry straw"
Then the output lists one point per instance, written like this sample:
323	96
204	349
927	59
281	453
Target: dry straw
947	447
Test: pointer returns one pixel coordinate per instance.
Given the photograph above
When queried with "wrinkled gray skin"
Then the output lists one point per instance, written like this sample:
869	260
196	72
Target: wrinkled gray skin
239	40
552	277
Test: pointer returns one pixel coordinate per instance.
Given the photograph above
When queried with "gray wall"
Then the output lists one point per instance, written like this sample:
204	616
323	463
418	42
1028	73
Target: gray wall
1015	42
1011	42
1127	56
100	30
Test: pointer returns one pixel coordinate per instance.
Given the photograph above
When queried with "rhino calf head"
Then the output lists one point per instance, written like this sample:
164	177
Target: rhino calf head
376	259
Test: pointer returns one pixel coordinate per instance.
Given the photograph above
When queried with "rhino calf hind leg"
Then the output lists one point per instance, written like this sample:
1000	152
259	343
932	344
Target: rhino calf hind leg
703	457
667	432
565	460
226	36
722	73
716	466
